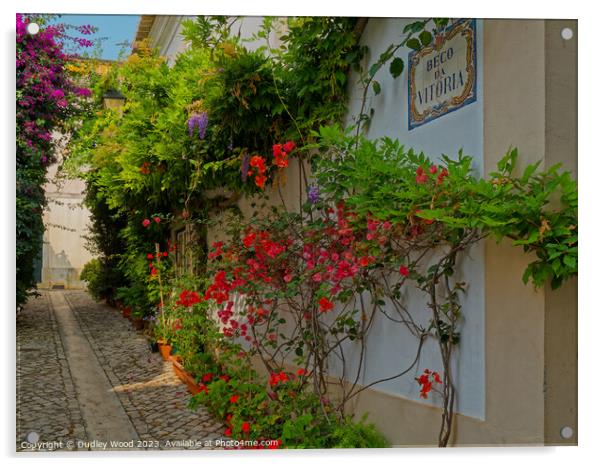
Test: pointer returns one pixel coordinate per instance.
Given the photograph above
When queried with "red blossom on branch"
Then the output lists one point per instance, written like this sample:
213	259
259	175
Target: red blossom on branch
426	380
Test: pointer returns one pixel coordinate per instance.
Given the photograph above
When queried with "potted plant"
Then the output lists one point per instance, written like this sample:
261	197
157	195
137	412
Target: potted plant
163	338
164	349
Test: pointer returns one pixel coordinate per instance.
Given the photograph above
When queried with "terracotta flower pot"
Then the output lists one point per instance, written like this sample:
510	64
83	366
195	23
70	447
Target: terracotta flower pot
164	349
185	377
176	358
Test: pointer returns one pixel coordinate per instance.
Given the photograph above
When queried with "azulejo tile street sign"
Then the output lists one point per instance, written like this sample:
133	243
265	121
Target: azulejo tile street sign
442	76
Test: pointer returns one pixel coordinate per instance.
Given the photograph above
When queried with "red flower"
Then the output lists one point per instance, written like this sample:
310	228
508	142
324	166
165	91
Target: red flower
426	382
325	304
366	260
157	219
275	379
207	377
403	270
146	222
145	168
150	256
433	169
153	271
228	432
165	254
442	175
421	179
301	372
260	181
277	150
289	146
245	427
233	399
281	162
188	298
249	240
258	162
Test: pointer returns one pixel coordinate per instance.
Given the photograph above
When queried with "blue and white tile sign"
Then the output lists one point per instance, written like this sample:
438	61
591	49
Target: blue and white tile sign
443	76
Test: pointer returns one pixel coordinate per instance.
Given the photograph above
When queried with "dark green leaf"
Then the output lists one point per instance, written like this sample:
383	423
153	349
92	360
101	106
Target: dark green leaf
414	44
396	67
376	87
426	38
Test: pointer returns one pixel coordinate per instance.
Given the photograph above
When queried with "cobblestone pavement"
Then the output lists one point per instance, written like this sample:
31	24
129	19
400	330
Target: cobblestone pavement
47	407
153	398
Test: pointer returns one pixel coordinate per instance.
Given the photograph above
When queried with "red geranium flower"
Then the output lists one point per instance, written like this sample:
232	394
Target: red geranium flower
246	427
150	256
146	222
233	399
157	219
403	270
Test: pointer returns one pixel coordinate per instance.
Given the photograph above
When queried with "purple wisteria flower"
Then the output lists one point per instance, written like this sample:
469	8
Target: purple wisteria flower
313	195
199	121
244	168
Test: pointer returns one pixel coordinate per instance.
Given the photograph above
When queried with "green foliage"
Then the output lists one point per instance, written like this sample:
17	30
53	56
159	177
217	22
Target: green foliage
357	435
536	209
287	412
143	160
101	279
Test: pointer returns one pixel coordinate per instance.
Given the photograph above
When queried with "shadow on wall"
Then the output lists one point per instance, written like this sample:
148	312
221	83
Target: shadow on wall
57	271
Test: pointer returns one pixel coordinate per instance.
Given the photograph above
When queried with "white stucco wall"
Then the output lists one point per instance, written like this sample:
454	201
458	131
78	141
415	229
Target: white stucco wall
391	347
66	224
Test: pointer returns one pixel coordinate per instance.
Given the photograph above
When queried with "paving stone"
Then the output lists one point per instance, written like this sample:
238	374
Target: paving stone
152	396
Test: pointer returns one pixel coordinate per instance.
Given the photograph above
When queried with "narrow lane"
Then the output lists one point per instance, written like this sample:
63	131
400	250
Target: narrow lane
85	377
102	412
47	406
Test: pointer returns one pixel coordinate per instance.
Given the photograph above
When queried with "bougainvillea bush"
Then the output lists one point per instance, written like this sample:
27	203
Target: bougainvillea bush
47	98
